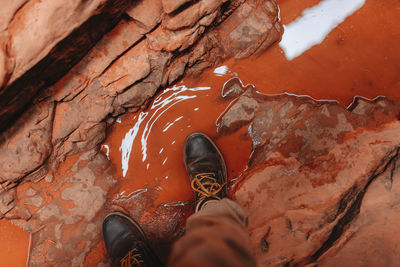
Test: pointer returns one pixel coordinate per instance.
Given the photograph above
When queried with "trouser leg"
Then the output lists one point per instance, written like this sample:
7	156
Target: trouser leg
215	236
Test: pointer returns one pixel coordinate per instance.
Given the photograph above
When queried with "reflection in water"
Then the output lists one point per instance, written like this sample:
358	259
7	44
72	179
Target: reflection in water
221	71
169	124
167	99
315	24
107	151
122	196
127	142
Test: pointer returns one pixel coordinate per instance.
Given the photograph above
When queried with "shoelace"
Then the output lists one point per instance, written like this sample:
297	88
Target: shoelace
206	185
132	258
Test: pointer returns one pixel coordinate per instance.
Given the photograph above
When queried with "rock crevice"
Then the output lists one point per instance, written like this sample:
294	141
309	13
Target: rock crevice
312	167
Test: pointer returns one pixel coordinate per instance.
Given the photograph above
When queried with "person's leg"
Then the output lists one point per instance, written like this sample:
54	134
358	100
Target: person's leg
216	234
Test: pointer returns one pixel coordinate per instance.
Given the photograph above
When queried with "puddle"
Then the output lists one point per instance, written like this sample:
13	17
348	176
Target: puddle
358	57
315	24
13	253
146	148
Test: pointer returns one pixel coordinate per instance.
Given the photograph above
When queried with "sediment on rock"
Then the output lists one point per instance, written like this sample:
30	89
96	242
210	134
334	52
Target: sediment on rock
58	36
313	164
150	46
353	204
147	50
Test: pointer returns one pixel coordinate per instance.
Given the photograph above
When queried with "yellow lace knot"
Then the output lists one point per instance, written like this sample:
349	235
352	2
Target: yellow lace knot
133	258
206	185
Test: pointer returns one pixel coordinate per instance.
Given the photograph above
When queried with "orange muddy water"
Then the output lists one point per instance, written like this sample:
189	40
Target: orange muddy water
14	245
359	56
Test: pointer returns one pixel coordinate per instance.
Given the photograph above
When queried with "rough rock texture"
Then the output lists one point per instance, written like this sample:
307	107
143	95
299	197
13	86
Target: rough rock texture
151	45
318	173
64	213
147	50
322	186
41	40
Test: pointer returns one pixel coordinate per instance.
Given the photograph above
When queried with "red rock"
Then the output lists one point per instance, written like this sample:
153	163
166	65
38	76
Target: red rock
258	28
26	145
7	196
372	239
128	69
62	34
312	167
148	13
111	46
165	40
122	72
192	14
172	5
74	216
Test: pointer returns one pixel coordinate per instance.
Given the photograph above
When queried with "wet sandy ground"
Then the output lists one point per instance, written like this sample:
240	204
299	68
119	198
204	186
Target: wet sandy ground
358	57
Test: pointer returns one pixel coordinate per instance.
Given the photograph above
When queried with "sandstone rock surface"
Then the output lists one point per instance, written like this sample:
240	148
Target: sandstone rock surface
41	40
317	174
321	186
147	50
127	51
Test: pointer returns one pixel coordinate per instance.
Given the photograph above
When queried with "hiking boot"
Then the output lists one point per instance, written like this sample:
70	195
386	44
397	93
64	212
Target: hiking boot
205	167
126	242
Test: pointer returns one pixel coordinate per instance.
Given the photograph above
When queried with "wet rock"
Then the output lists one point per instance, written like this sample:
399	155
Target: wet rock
192	14
313	170
68	222
172	5
372	238
232	88
122	72
60	41
241	113
128	69
35	201
154	44
147	14
166	222
26	146
251	29
293	131
373	112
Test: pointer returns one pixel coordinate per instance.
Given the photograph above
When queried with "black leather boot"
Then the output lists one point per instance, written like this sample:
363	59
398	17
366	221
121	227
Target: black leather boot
126	242
205	167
